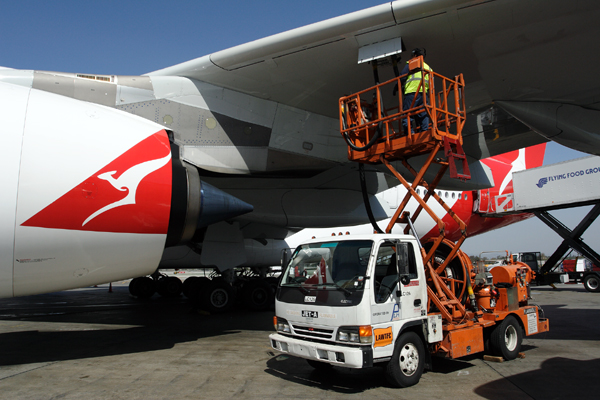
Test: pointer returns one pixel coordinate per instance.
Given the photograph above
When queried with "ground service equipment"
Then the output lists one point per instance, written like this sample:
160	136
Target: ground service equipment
387	299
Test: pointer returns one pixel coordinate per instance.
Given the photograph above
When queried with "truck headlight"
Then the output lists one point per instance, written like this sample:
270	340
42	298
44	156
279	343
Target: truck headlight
281	325
355	334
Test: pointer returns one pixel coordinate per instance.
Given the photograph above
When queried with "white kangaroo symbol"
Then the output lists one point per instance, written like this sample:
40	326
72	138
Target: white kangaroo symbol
517	165
129	180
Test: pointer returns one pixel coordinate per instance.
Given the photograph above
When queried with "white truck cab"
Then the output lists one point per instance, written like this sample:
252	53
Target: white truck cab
346	300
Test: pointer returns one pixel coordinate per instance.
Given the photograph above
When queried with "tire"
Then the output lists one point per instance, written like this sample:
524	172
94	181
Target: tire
145	287
217	297
320	365
592	283
257	295
408	361
506	338
273	282
133	286
185	289
169	286
196	287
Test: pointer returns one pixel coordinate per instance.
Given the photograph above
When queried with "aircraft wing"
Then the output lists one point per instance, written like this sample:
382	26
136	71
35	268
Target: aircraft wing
508	51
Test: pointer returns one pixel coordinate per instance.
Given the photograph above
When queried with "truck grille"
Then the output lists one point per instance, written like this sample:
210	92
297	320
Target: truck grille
317	333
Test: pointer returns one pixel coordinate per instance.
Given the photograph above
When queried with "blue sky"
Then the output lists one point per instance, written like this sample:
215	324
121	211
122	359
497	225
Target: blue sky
135	37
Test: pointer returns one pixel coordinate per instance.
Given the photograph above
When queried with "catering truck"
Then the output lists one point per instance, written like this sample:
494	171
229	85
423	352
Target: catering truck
371	300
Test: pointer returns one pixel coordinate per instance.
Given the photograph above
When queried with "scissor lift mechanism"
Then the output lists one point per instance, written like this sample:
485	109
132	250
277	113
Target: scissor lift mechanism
374	135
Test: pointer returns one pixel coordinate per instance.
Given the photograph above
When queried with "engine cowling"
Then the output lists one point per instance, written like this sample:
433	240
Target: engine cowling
90	194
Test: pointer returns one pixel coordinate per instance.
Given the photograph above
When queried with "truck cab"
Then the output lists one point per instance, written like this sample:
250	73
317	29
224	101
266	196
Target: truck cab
345	300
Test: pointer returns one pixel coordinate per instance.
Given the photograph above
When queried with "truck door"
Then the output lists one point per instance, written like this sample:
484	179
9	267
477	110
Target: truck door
391	301
413	300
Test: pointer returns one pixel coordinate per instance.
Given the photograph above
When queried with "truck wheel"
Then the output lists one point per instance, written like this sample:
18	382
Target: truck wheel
320	365
406	366
506	338
592	283
218	296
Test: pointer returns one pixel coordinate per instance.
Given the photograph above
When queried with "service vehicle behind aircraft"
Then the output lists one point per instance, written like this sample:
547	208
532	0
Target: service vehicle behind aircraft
362	301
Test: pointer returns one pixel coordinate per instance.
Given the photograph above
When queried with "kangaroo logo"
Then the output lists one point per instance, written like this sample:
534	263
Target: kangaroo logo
129	181
130	194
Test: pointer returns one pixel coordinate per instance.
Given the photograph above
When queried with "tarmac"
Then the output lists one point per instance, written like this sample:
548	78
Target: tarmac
92	344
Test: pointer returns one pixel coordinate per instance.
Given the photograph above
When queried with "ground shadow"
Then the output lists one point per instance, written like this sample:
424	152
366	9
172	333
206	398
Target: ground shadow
558	378
113	324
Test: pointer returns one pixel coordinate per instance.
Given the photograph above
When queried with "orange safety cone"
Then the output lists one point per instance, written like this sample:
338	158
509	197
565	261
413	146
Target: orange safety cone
110	287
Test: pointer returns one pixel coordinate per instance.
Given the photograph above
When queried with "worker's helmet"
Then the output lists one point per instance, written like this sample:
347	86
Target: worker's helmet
418	52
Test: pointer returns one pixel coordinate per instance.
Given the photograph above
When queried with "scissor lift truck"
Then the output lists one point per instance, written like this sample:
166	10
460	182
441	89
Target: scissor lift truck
387	299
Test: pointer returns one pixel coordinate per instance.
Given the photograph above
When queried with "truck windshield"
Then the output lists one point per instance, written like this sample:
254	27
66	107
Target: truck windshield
325	268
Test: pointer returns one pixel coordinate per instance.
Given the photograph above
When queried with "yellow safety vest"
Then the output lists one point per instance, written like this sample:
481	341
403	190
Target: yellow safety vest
413	80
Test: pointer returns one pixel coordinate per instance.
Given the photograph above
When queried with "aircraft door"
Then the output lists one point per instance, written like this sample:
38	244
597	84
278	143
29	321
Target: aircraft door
485	206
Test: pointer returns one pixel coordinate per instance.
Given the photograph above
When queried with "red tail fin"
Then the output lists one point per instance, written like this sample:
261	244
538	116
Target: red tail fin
534	156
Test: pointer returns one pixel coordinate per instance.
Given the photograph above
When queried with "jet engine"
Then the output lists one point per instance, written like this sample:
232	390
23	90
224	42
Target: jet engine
91	194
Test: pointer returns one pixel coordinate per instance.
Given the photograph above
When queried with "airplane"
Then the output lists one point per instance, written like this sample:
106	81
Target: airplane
253	135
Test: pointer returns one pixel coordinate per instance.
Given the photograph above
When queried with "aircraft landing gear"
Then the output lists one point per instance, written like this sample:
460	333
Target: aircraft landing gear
257	294
218	296
142	287
169	286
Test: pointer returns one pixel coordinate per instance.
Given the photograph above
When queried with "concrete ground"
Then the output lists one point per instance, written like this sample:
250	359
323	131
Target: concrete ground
92	344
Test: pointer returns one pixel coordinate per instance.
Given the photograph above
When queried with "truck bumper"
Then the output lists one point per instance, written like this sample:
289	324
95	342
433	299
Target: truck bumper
349	357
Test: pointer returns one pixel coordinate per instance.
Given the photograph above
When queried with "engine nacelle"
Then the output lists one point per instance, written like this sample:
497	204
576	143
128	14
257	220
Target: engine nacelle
90	194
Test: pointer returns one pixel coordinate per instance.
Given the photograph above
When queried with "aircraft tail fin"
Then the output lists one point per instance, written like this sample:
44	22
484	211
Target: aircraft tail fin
531	157
503	166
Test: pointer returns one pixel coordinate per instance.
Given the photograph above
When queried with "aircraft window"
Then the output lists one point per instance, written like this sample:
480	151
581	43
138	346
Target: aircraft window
418	192
446	195
460	195
453	195
465	196
96	77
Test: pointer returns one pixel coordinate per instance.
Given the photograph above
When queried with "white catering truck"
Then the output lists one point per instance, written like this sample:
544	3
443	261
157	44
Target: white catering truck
360	301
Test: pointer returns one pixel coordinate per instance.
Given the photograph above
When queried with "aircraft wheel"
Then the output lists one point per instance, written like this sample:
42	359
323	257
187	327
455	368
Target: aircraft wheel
592	283
257	295
196	286
408	361
272	281
218	296
133	286
169	286
506	338
185	288
145	287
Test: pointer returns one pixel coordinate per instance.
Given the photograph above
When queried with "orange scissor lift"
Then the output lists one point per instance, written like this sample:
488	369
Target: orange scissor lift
374	135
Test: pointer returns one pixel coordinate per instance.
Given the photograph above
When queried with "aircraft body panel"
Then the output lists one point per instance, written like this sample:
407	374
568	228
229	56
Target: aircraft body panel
14	104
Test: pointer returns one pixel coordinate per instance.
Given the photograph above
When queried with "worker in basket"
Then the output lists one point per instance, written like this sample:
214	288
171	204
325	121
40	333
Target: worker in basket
410	84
